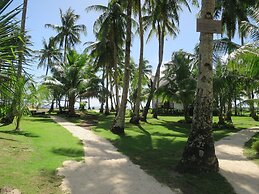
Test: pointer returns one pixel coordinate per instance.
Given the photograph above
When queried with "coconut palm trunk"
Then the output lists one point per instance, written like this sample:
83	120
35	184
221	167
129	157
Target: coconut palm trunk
119	121
199	153
150	97
161	39
111	94
229	109
107	112
155	83
116	77
71	104
135	118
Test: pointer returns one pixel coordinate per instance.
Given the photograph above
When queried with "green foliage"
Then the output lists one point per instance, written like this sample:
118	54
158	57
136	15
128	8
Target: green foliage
68	33
49	55
252	148
29	159
256	146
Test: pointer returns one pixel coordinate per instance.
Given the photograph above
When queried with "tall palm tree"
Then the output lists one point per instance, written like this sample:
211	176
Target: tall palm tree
109	28
163	18
49	54
135	116
199	153
146	72
119	121
68	33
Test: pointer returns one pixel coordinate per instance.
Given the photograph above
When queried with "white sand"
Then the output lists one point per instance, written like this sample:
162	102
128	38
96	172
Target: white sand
241	173
105	170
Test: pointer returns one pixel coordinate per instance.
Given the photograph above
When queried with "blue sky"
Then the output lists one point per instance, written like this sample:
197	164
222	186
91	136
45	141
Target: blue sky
47	11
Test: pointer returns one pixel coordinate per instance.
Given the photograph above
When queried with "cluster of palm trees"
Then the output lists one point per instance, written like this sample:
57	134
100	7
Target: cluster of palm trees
106	71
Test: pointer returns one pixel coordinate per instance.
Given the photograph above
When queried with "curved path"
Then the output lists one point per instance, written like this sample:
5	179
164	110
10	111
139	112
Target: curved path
105	170
242	174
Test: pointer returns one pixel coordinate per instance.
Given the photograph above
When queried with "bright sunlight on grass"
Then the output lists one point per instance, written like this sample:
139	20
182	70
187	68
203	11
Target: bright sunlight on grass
157	147
29	158
250	151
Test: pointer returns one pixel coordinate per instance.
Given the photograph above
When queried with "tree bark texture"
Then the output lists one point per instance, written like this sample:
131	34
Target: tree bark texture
161	37
199	153
146	108
107	112
71	104
119	121
135	118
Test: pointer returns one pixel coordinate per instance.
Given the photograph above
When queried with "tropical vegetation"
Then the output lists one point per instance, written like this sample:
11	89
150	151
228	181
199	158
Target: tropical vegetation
220	78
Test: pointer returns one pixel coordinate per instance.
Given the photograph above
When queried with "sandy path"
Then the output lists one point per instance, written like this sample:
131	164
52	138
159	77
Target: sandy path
105	170
242	174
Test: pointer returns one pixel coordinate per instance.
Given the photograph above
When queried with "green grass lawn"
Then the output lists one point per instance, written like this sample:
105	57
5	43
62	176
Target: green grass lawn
157	147
29	159
249	151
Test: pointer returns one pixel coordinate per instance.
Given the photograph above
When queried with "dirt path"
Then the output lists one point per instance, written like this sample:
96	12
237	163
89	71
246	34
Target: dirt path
242	174
105	170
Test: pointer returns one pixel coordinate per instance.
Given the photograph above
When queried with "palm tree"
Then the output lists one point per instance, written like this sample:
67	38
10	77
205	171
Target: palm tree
163	17
178	83
70	78
233	13
252	28
199	153
49	54
7	35
246	60
21	45
146	72
135	116
68	32
109	28
21	50
119	121
74	77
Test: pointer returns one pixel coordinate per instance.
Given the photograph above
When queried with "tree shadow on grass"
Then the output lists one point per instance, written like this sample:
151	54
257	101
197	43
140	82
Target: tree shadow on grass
70	152
45	120
7	139
23	133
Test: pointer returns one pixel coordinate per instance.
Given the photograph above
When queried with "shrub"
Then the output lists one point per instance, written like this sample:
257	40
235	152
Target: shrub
256	146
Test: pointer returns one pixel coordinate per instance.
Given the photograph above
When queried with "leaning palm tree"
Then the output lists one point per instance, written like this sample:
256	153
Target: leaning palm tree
68	33
49	54
119	121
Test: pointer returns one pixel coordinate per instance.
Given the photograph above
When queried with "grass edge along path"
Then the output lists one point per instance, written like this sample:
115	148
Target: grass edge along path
29	158
157	147
249	151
